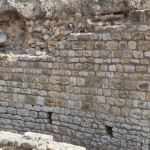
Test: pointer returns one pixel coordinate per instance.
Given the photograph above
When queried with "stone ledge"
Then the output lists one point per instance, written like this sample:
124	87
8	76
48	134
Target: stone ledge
32	141
12	57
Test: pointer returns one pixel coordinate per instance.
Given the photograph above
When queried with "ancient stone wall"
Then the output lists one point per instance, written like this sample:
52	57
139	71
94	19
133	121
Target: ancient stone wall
94	89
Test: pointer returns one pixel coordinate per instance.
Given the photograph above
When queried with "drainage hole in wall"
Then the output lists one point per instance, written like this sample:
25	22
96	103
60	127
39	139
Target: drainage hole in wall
50	117
109	131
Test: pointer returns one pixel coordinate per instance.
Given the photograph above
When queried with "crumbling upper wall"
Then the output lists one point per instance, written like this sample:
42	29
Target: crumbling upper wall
32	9
34	27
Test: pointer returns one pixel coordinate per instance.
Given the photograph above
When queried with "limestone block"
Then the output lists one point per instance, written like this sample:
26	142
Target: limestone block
142	27
23	112
147	54
3	109
138	54
129	68
3	38
73	37
33	114
73	81
135	113
105	139
143	86
119	102
54	79
123	45
132	45
11	110
148	96
143	45
146	16
106	36
87	53
112	68
112	45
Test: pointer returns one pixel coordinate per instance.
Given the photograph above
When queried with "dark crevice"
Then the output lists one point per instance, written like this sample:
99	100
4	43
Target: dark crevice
50	117
109	131
117	13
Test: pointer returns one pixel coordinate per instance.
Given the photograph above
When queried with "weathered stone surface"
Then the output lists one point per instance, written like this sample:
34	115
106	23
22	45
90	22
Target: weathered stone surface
30	141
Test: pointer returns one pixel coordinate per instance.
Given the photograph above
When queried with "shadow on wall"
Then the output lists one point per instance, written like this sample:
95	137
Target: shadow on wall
13	32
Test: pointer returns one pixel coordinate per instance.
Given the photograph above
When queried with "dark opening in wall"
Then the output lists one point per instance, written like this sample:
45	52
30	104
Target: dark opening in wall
109	131
50	117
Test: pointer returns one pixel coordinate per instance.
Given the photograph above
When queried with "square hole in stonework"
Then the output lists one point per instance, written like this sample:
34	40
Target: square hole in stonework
109	131
50	117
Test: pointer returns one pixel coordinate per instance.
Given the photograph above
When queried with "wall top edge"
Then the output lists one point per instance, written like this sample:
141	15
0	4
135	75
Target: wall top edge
122	28
12	57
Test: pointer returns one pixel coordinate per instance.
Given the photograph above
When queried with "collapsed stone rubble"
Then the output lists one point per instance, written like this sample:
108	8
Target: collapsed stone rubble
32	141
